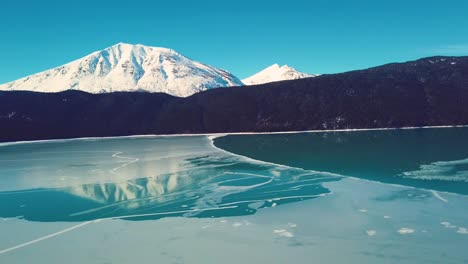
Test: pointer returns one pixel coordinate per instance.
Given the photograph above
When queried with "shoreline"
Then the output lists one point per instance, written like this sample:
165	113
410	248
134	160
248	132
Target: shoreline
435	193
221	134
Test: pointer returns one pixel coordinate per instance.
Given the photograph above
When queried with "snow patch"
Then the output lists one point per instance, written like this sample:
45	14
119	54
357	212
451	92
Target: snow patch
406	231
283	233
462	230
448	224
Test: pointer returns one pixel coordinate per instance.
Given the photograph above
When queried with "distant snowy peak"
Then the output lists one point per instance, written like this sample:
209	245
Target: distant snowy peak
126	67
276	73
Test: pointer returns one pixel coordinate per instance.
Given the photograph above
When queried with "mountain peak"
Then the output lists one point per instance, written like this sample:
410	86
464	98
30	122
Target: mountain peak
122	44
129	67
276	73
128	46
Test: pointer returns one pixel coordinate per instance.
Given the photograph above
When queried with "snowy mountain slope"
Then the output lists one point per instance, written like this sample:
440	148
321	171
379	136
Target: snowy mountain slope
126	67
276	73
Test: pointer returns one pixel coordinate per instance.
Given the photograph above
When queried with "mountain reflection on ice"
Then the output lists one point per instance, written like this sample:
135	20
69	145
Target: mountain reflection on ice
140	187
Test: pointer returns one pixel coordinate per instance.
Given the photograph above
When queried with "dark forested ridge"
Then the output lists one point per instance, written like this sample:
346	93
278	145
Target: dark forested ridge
427	92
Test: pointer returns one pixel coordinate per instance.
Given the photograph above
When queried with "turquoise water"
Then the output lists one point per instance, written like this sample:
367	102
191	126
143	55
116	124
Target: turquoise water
373	196
434	159
140	179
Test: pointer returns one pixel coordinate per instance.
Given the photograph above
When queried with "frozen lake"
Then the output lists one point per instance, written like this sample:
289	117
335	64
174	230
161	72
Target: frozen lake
280	198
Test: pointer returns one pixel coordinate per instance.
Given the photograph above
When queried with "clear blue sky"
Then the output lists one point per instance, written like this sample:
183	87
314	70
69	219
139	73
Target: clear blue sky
316	36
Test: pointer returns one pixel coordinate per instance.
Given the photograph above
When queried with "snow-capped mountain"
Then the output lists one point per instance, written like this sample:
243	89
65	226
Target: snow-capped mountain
276	73
126	67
